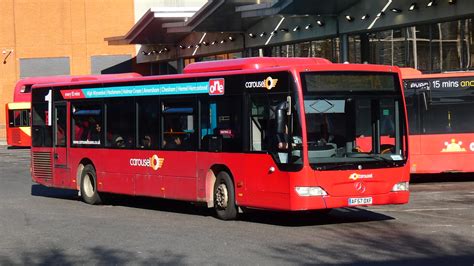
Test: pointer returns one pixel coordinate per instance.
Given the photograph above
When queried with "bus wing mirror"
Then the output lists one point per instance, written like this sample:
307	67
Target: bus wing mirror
282	111
288	105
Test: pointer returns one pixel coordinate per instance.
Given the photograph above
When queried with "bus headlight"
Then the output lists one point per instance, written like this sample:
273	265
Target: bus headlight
402	186
310	191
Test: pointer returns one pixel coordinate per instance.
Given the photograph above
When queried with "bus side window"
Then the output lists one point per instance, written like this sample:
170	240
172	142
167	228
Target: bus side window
221	121
148	123
178	125
120	120
87	126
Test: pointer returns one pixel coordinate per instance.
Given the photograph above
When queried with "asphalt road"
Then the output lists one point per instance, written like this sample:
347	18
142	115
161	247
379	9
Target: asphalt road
45	226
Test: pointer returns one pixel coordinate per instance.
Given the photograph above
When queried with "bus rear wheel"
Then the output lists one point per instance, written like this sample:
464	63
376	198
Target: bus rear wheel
224	197
89	186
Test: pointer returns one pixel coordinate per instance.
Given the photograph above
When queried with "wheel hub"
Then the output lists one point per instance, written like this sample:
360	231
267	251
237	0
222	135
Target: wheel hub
88	187
222	196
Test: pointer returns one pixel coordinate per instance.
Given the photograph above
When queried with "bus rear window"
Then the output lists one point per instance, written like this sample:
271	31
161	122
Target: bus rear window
349	81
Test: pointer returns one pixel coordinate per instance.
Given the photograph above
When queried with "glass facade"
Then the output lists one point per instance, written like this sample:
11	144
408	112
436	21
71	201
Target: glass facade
327	48
213	58
431	48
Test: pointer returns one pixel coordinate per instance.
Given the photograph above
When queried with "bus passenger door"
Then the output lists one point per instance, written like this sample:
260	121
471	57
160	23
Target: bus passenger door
60	166
416	99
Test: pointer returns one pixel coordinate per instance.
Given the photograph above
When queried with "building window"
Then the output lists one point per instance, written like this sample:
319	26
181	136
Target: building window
438	47
110	64
469	28
35	67
288	50
354	49
303	49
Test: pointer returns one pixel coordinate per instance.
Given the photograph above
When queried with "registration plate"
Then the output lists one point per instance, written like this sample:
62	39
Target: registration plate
360	201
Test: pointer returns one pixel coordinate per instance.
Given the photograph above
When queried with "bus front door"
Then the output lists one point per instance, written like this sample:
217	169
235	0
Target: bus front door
61	172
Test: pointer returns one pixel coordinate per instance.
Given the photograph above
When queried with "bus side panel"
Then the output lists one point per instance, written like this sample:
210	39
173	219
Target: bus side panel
255	185
414	144
444	153
179	173
112	170
266	188
171	175
149	185
18	136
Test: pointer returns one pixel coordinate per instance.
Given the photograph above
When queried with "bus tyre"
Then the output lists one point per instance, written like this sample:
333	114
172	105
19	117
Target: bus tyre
89	186
224	197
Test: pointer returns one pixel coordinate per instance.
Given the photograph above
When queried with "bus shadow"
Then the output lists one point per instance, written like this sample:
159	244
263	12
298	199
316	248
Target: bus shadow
57	193
287	219
17	148
279	218
139	202
313	218
158	204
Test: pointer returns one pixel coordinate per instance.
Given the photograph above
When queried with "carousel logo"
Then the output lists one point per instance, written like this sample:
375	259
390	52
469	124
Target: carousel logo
356	176
453	146
268	83
154	162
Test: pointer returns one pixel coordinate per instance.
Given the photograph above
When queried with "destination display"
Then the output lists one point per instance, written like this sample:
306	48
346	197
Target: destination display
441	83
137	90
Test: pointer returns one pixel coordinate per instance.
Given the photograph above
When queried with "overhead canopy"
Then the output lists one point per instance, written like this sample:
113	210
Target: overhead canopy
235	25
168	25
149	29
296	7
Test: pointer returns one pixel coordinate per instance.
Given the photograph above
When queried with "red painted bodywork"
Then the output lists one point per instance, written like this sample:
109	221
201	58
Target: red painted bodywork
426	151
188	175
22	95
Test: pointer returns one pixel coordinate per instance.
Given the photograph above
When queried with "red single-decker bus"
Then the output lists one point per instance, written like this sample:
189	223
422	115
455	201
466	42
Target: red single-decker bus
269	133
440	120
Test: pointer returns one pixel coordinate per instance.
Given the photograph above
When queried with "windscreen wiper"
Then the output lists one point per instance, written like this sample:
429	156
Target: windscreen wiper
380	158
338	165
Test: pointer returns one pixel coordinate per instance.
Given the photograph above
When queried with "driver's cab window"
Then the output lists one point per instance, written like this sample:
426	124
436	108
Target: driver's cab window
274	127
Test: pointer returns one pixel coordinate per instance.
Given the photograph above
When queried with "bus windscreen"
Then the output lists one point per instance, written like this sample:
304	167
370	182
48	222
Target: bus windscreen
348	124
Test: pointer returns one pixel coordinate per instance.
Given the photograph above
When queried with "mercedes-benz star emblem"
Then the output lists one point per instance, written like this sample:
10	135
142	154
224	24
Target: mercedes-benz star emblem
359	186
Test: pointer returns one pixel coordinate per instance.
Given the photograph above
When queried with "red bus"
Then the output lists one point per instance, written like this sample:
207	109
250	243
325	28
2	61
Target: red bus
441	124
269	133
18	130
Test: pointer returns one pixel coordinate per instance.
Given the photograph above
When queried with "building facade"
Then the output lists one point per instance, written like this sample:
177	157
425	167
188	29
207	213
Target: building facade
56	37
432	36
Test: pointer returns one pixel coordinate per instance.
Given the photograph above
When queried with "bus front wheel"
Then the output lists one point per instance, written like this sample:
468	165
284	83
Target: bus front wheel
89	186
224	197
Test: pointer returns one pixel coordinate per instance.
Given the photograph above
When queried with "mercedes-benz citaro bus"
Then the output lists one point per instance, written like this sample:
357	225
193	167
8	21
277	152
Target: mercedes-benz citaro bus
288	134
441	122
18	129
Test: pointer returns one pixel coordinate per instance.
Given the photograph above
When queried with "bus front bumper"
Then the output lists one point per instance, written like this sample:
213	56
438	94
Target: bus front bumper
330	202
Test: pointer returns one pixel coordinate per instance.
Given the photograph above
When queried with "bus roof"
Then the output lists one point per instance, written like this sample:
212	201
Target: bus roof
22	94
411	73
251	63
235	67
